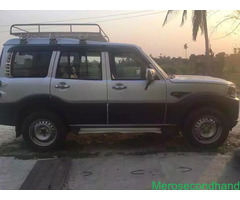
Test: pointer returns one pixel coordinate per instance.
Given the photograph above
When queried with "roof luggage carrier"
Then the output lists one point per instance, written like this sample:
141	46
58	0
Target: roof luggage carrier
27	31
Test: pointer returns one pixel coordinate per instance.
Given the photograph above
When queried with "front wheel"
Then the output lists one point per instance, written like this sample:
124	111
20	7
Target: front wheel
43	130
206	127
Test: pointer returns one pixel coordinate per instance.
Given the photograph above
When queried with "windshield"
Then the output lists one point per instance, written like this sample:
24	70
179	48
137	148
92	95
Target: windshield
155	64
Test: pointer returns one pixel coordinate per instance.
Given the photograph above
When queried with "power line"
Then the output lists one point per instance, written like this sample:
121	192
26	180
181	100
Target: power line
87	18
154	13
132	16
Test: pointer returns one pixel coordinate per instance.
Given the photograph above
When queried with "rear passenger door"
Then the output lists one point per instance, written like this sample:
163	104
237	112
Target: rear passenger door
78	86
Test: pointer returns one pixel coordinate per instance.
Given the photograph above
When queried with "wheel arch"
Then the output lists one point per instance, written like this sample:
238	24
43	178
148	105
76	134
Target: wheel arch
203	104
33	104
177	112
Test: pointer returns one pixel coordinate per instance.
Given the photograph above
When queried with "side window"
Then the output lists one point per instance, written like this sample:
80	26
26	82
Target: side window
80	65
1	58
127	66
30	64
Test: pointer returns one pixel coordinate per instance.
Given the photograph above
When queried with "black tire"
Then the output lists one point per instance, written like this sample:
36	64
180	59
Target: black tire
46	123
205	117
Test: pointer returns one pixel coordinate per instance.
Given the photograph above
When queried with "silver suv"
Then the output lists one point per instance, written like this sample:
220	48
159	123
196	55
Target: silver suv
54	82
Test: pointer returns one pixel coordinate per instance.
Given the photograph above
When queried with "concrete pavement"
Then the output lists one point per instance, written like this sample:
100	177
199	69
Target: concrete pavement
138	172
132	172
13	172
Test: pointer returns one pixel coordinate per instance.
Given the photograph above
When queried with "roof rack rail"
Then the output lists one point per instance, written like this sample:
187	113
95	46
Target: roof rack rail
25	31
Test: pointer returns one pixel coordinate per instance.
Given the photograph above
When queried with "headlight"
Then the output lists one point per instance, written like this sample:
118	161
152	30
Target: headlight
231	91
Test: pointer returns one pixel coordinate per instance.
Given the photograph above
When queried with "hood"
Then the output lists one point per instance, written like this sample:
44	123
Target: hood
198	79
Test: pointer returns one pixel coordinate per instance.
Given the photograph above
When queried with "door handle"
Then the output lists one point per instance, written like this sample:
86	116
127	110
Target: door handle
62	85
119	86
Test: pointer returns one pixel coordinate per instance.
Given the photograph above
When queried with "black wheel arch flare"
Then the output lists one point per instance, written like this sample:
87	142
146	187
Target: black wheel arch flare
177	112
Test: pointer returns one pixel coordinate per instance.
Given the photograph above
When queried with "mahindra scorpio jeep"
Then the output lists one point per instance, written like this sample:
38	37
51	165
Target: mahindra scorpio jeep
54	82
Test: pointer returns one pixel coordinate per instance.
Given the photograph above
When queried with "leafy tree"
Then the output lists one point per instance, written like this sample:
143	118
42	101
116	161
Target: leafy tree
234	17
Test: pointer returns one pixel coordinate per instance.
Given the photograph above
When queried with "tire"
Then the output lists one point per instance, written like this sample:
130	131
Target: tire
43	130
206	127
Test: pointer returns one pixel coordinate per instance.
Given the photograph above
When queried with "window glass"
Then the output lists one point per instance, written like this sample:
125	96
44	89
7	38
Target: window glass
77	65
30	64
1	58
128	67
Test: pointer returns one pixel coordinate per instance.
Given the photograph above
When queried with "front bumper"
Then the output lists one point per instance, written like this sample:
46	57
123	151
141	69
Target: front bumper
234	123
233	112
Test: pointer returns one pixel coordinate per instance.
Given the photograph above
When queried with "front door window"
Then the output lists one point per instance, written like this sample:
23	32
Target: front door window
127	66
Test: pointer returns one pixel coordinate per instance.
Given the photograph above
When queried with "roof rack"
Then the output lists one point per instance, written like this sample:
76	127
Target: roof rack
25	31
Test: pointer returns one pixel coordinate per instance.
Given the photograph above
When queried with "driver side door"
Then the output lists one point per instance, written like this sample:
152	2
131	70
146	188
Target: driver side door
128	101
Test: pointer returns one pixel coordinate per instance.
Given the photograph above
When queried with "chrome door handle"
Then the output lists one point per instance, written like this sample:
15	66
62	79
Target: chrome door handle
62	85
119	86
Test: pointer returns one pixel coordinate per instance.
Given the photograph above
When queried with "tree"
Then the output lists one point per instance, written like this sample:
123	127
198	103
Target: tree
235	50
234	17
199	21
185	47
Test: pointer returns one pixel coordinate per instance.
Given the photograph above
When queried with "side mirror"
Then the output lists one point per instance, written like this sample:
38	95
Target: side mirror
150	76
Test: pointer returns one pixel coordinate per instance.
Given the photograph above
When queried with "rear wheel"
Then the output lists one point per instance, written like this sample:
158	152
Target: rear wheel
43	130
206	127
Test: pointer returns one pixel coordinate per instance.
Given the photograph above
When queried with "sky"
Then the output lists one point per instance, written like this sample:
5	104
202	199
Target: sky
141	27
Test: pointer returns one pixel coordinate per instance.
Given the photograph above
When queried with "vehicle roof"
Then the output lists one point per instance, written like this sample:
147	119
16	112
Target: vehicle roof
65	41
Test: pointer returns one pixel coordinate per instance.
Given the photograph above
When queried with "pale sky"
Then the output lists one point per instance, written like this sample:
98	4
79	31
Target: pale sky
143	28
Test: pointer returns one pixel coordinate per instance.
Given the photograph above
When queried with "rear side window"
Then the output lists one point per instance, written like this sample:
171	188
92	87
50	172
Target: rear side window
80	65
30	64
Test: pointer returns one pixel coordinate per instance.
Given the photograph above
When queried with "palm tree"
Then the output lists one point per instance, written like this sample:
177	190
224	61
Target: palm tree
199	21
185	47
